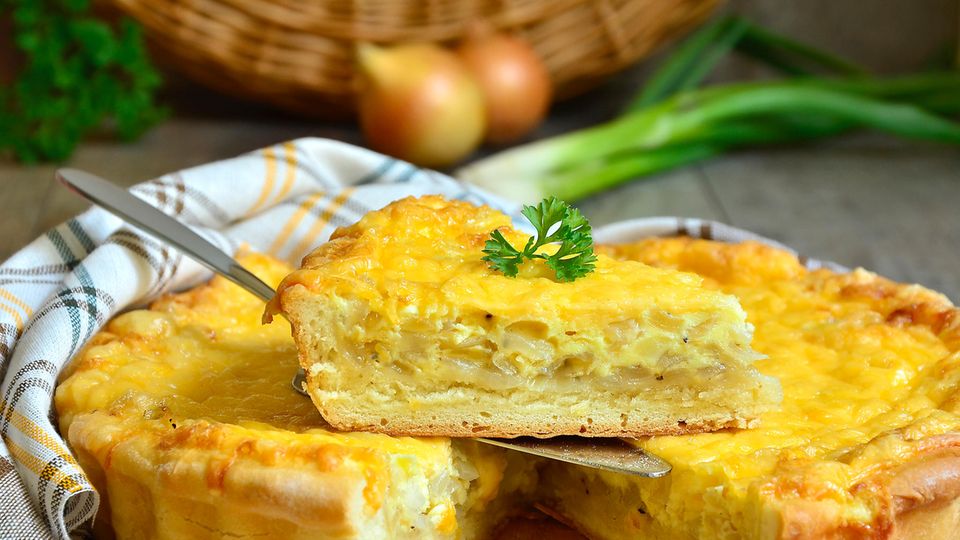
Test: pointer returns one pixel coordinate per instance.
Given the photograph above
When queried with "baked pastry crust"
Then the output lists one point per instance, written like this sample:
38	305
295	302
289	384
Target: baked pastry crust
882	461
867	444
184	418
402	328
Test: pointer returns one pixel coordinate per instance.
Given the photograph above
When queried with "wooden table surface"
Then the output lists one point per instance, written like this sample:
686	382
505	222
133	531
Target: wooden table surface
862	200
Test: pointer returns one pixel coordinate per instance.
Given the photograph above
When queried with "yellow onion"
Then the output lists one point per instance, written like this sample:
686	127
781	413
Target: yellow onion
419	103
516	85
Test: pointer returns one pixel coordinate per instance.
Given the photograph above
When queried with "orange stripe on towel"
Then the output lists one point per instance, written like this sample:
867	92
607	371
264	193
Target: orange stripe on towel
309	240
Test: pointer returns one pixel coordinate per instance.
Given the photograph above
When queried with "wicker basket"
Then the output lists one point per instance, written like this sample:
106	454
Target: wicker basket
298	54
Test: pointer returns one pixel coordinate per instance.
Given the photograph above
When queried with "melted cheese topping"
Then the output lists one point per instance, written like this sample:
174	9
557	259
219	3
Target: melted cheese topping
416	265
870	372
868	368
198	380
205	356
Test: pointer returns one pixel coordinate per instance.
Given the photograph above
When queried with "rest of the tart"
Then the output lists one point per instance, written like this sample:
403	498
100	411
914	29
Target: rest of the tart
865	445
184	418
403	329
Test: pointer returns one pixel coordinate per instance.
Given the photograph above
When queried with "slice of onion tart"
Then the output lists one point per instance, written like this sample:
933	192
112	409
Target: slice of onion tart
402	328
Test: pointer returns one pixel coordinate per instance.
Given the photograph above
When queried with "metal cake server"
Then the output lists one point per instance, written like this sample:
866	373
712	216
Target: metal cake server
608	454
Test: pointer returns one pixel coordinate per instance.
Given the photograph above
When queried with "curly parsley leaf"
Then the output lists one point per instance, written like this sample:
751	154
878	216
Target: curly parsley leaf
501	255
555	222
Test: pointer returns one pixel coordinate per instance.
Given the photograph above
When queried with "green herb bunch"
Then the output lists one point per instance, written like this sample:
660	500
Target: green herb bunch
79	74
555	222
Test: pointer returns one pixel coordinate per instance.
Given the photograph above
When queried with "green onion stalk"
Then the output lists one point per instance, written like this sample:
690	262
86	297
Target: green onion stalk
672	122
699	124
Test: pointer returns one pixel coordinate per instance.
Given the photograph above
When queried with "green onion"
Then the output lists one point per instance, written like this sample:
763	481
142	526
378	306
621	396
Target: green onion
672	123
580	182
711	120
692	61
792	57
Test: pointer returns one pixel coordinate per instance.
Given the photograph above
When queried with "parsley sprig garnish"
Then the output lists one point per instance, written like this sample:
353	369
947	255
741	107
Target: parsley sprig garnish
555	222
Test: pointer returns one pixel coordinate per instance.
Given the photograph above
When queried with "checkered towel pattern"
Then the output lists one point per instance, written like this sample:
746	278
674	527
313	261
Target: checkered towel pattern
59	290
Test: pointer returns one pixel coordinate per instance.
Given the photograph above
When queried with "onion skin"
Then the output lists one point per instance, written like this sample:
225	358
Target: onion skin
515	83
420	104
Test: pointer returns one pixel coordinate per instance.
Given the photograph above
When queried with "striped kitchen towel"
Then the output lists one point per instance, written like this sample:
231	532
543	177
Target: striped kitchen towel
59	290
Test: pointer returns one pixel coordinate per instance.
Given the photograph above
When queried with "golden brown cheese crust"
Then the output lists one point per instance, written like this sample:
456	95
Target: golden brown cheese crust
888	467
898	479
184	418
402	328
